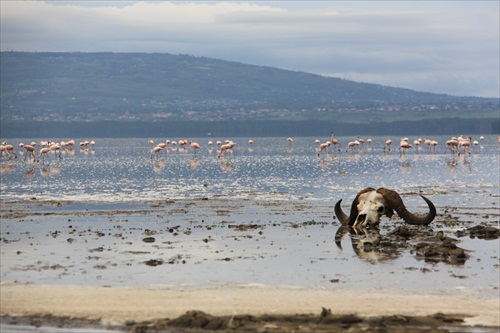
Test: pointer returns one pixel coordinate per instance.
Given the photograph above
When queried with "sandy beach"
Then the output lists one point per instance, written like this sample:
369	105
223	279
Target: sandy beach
119	306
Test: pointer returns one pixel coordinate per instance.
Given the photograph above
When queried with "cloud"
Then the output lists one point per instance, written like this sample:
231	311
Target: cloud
444	47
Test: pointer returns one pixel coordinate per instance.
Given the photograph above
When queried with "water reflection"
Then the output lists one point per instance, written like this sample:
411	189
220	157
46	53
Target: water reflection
365	243
194	164
158	166
227	166
53	170
422	241
7	167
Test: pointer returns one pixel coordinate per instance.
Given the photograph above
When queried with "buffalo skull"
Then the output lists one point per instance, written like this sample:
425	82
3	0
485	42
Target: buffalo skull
370	204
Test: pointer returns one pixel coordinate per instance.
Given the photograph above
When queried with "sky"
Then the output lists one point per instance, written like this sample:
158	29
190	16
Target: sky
449	47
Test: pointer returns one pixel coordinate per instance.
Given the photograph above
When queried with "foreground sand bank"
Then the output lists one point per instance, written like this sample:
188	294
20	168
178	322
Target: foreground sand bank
118	305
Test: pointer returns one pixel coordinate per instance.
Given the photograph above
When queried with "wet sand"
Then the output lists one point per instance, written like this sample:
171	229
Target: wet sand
119	306
237	306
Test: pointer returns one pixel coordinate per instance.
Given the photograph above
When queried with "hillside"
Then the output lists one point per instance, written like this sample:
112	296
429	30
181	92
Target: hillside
96	87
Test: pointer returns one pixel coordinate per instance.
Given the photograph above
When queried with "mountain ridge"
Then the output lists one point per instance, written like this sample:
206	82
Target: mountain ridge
70	87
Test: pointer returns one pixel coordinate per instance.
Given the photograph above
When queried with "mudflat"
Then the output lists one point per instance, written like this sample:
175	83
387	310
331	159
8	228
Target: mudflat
219	265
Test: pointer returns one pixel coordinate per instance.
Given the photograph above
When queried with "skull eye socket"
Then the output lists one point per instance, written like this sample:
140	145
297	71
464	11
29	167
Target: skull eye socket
380	209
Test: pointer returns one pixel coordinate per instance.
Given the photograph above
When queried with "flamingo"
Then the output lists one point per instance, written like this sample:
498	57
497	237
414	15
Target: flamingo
162	146
250	142
225	147
465	144
434	144
43	151
4	150
156	149
352	145
427	142
55	148
388	144
404	145
8	149
324	147
453	145
29	149
194	146
335	141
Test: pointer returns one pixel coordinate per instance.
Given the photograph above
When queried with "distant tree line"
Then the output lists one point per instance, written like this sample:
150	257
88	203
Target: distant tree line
116	129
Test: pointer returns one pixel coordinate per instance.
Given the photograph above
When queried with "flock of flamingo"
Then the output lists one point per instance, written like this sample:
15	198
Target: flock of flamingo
457	145
164	146
46	147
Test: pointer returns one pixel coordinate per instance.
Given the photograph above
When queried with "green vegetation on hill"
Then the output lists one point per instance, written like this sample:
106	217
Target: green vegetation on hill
144	88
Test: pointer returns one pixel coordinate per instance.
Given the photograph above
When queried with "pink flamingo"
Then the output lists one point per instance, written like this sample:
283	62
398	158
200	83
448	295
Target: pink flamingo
43	152
388	144
156	150
453	146
225	147
352	145
4	150
10	150
404	145
465	144
194	146
29	149
324	147
56	148
335	141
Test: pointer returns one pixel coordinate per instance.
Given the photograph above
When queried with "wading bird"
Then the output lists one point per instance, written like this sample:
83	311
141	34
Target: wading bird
29	149
194	146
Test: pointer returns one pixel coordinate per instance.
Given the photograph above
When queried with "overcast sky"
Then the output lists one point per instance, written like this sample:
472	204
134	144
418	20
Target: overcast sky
447	47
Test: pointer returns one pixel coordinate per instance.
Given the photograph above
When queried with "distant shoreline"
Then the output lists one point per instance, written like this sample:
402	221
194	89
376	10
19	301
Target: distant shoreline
241	128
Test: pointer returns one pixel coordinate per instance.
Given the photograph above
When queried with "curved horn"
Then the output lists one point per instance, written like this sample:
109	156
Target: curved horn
339	213
341	232
395	202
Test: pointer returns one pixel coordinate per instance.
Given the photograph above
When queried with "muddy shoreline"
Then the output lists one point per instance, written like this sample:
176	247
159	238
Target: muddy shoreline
198	321
116	256
242	308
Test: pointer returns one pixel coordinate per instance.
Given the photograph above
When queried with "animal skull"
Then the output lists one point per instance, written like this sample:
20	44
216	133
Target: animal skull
370	204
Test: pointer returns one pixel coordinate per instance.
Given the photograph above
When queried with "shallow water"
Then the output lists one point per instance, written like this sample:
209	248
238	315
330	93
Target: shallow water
120	170
89	211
